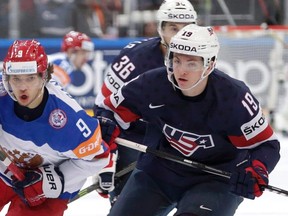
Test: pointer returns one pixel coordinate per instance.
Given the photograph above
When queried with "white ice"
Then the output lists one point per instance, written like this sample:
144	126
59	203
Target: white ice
269	204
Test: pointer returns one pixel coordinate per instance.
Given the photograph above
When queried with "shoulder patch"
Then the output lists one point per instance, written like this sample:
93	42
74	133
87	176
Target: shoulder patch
57	118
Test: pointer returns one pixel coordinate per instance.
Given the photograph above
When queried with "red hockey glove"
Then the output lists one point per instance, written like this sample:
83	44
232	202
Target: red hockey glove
39	184
105	178
109	130
247	182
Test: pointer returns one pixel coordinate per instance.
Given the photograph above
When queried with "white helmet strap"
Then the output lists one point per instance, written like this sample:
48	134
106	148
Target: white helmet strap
203	76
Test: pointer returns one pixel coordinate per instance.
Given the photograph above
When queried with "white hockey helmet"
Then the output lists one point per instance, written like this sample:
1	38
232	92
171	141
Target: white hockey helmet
194	40
176	11
179	11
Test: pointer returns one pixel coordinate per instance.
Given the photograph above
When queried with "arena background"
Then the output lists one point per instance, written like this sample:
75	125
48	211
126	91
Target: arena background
252	54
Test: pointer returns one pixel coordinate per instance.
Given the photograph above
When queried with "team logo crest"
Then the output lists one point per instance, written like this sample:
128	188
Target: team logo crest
57	118
185	142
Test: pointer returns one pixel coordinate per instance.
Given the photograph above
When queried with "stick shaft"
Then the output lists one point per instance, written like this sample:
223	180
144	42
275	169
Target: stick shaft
93	187
171	157
187	162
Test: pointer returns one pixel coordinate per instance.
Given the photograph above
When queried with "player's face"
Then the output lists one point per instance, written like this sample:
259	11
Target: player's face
80	57
27	89
170	29
188	70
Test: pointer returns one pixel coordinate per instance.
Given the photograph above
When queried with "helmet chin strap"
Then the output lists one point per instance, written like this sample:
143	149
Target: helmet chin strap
164	43
170	78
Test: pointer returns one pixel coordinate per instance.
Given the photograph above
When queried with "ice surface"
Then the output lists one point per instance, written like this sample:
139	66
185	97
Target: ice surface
269	204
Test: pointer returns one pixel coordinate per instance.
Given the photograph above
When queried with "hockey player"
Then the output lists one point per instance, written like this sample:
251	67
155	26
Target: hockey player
137	58
76	50
201	114
46	134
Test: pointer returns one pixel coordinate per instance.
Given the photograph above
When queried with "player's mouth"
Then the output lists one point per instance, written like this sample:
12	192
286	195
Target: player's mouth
182	81
23	98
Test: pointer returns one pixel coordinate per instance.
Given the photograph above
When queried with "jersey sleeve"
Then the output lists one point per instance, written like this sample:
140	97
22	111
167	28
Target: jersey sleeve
249	129
134	59
119	72
75	173
62	68
61	76
87	158
124	103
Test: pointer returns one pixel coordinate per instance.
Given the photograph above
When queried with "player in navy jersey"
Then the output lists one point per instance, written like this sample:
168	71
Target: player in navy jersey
76	50
137	58
46	134
198	113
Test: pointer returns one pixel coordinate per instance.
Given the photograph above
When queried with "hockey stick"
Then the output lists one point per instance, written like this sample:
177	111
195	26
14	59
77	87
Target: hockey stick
93	187
11	166
186	162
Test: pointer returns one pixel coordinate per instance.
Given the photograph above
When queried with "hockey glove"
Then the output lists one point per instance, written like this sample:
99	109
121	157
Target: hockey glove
39	184
109	130
248	182
105	178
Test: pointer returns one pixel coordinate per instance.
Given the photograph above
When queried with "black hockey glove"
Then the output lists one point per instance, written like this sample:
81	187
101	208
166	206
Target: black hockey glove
39	184
248	182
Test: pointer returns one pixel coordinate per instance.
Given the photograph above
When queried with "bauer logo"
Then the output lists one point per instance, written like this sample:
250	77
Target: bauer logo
255	126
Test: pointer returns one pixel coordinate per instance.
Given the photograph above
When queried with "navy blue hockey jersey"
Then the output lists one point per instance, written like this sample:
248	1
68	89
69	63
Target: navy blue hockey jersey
134	59
219	127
